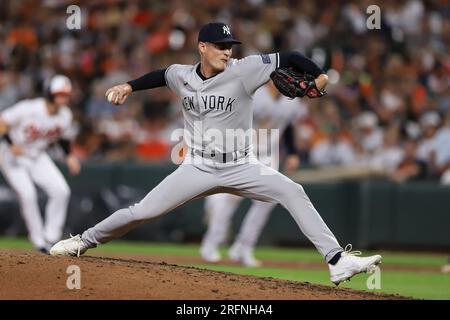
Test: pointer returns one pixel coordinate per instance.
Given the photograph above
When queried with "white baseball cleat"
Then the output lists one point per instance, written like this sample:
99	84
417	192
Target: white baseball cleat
73	247
210	254
244	256
349	265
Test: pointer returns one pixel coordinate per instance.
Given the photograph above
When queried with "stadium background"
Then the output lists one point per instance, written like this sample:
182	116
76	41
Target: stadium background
388	107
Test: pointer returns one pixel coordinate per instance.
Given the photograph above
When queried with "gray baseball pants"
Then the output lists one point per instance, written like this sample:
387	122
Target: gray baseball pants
198	177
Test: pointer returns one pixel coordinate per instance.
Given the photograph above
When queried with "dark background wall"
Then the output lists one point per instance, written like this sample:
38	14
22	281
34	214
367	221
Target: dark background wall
368	213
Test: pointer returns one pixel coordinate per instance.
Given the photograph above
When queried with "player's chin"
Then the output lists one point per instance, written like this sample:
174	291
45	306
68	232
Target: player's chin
221	65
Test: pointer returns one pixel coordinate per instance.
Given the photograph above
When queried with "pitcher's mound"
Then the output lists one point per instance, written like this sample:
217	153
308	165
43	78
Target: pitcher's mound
29	275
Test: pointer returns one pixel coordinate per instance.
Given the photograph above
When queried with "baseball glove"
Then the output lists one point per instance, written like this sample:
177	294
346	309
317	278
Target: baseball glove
292	84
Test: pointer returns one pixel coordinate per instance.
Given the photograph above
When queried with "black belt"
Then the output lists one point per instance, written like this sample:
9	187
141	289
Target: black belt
221	157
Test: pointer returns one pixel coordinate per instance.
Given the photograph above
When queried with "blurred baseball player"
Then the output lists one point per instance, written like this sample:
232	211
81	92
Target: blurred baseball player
271	111
28	128
216	96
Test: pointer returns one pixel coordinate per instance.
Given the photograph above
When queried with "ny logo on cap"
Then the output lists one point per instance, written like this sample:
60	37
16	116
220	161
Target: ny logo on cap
226	30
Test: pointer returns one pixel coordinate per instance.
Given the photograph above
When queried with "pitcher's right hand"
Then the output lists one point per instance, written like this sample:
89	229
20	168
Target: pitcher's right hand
118	94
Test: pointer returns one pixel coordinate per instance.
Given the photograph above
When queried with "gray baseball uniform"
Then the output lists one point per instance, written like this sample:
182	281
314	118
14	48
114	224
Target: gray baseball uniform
269	112
218	120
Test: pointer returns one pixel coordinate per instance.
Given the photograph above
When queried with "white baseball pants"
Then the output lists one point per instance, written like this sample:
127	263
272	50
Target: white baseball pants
22	173
220	209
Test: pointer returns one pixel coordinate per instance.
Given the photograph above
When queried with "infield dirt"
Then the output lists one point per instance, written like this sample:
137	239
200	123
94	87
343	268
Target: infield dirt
30	275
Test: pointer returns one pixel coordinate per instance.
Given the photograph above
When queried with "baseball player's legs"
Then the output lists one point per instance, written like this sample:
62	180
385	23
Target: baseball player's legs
20	181
259	182
219	209
251	228
47	176
186	183
256	218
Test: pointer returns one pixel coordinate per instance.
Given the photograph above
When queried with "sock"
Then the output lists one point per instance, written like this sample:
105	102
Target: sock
335	258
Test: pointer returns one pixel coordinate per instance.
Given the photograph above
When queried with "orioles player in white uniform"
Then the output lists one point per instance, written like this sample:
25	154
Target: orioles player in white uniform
28	128
271	111
216	95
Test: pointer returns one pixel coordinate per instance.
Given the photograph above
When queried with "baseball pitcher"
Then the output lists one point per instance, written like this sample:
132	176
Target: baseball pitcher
216	95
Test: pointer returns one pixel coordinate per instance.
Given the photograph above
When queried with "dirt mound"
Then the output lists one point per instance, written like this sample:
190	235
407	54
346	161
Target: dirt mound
29	275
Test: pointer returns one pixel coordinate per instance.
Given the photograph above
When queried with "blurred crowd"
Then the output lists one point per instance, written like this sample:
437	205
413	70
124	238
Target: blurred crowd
388	102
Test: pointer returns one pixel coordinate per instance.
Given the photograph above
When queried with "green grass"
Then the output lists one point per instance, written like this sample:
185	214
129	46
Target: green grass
424	285
264	253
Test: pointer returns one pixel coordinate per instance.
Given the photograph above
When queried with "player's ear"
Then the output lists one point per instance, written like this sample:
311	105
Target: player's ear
201	46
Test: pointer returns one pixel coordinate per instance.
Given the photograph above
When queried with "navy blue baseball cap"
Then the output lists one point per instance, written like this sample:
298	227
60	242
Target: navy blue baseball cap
216	32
